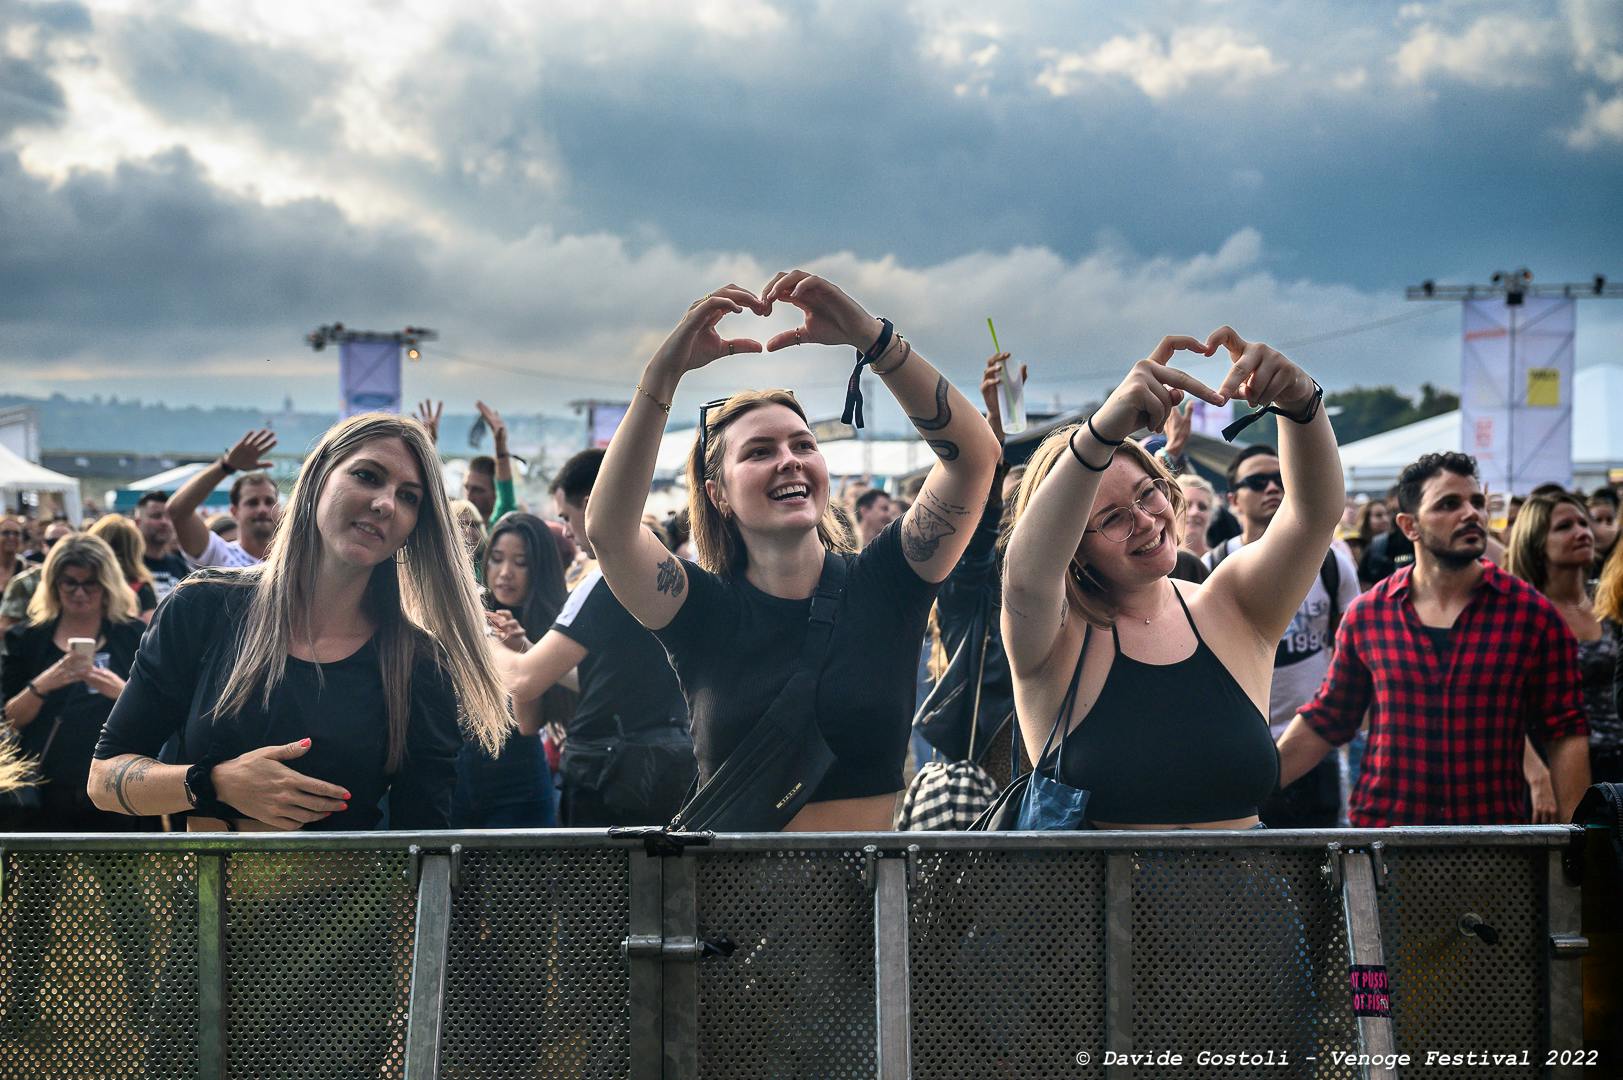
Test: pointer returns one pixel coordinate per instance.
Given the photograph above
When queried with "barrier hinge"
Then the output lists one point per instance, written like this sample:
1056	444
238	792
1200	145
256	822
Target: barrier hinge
413	872
913	858
870	866
456	869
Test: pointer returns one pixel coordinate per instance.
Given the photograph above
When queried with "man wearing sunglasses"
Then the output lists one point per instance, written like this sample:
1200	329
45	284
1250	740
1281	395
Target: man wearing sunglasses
1256	489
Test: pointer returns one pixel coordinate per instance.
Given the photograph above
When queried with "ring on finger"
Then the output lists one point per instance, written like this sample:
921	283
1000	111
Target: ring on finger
729	348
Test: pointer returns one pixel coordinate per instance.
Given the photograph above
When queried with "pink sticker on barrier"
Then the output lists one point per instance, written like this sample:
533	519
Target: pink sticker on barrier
1370	990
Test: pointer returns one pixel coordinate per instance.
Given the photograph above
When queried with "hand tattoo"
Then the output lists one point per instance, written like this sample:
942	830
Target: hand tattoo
943	412
922	532
670	577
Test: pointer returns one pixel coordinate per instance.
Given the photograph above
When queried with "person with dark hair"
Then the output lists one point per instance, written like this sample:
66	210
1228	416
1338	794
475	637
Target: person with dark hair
1302	656
255	504
489	481
1388	551
524	583
737	624
1452	659
873	510
1552	548
1163	722
162	558
1602	504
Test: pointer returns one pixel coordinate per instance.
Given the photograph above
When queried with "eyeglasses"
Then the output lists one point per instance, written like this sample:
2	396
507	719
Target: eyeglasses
83	588
1259	481
1120	522
10	534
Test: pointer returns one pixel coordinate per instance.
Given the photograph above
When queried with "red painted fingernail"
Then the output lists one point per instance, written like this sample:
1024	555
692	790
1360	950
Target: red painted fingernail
347	796
304	742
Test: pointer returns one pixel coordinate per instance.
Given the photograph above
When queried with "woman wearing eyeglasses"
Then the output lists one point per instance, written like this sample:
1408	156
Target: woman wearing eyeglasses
1170	679
734	623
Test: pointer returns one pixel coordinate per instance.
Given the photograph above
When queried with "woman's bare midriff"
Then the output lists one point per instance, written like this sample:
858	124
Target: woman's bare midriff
874	813
1233	823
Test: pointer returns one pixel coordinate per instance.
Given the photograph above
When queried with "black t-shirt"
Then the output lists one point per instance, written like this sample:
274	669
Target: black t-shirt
734	647
625	673
183	664
167	572
81	711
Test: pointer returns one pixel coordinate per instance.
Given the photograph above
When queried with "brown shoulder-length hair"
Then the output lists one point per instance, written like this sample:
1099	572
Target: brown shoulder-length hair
716	539
87	553
1524	552
129	546
423	601
1086	594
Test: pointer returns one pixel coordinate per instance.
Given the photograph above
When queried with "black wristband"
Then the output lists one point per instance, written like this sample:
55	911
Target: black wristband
225	466
1082	461
1095	433
1251	418
853	389
36	691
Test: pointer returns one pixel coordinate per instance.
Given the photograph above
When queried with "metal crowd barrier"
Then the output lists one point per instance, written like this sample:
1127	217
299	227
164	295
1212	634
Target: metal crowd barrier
435	956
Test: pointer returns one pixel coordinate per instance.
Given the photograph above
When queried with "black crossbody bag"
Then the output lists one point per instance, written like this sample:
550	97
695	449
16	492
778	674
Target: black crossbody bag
771	774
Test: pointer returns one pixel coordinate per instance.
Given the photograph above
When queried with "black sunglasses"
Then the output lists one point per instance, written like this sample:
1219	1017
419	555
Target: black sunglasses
1259	481
704	416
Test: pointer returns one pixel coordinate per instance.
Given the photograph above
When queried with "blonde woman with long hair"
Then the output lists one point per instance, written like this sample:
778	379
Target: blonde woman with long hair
306	688
735	622
124	537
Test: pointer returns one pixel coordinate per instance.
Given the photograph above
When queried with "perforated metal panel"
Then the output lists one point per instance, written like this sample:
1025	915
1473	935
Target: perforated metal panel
796	998
98	965
1456	993
318	964
1240	951
536	984
1008	964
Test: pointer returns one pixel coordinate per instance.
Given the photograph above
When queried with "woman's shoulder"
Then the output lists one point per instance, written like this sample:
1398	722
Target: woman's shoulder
25	634
210	590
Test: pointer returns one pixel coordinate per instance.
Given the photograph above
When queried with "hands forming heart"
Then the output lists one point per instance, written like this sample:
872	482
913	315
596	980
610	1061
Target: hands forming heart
832	318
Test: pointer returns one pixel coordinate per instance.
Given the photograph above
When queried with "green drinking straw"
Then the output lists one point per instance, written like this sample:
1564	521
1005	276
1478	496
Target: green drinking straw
995	346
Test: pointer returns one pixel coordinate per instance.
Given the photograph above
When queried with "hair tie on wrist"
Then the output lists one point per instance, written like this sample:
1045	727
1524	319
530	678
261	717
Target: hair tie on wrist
853	388
1095	433
1082	461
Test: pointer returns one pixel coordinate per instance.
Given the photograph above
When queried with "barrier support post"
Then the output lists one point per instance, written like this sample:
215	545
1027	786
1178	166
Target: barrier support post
211	1019
893	1003
428	968
1367	970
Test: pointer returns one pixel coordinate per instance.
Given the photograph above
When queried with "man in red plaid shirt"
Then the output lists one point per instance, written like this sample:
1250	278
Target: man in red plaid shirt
1456	663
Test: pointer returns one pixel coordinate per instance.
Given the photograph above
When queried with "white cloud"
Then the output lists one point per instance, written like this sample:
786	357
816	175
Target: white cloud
1496	51
1351	79
1602	122
1162	67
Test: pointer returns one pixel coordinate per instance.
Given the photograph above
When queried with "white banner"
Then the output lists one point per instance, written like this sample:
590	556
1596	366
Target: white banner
1516	391
368	377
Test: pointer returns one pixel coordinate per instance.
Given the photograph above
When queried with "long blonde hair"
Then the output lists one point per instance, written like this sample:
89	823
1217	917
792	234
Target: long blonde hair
88	553
129	546
1084	591
1524	551
1609	593
423	601
716	539
16	772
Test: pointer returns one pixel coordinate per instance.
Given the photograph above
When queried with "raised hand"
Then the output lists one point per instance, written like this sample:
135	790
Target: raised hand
832	317
695	342
1259	375
1179	424
249	452
504	628
989	391
494	421
428	413
261	786
1152	390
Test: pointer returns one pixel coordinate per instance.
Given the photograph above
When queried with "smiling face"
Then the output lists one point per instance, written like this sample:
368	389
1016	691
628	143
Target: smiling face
370	503
1149	551
1570	541
773	477
507	570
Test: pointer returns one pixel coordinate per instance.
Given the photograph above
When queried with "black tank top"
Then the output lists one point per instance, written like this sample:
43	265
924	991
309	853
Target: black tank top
1170	743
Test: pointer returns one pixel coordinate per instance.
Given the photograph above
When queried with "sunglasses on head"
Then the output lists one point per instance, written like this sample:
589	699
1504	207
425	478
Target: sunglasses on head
1259	481
704	415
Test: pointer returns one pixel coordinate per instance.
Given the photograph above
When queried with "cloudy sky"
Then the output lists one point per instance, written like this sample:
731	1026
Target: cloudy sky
187	186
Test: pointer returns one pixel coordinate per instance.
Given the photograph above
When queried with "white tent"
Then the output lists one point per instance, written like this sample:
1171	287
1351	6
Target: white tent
1372	465
19	474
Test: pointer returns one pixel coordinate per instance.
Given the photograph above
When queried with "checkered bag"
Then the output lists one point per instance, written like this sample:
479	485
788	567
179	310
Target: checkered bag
946	796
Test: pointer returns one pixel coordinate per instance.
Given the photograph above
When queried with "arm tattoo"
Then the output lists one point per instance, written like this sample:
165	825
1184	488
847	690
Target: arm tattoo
669	579
922	533
943	411
115	783
946	451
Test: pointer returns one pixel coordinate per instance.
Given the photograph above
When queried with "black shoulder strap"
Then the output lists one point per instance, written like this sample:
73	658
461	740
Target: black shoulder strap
825	607
1330	574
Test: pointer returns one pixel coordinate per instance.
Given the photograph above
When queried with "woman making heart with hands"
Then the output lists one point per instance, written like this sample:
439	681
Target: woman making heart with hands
734	622
1167	724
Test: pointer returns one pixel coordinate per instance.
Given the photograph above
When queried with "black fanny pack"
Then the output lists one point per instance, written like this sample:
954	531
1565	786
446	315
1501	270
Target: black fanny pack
641	775
771	774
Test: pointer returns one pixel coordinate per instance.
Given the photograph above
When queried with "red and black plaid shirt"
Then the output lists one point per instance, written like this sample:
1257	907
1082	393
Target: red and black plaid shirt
1445	733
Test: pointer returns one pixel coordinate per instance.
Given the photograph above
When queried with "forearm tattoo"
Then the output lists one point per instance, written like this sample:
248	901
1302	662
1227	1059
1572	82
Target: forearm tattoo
943	411
129	772
669	579
926	526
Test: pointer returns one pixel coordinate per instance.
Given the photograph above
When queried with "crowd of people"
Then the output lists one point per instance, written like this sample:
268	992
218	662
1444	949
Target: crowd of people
1175	650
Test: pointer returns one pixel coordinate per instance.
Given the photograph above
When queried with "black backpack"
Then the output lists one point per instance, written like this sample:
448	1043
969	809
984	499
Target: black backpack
1329	574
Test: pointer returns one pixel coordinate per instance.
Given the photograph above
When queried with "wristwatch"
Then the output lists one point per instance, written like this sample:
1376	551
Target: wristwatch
200	784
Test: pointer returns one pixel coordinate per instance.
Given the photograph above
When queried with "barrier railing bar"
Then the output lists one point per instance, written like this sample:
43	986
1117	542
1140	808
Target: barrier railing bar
892	976
1119	961
680	982
1564	991
211	1012
425	1015
1360	909
646	973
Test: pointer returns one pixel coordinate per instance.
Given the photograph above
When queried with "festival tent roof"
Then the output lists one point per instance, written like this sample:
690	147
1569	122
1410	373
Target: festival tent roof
19	474
170	480
1372	464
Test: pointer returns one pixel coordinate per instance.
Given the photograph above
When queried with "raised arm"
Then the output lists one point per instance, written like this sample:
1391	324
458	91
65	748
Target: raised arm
1050	528
1265	581
644	575
937	528
248	454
